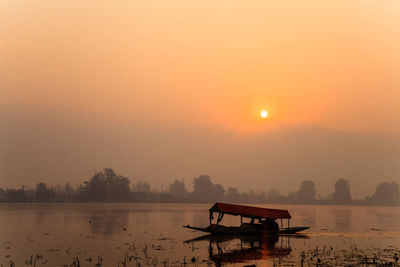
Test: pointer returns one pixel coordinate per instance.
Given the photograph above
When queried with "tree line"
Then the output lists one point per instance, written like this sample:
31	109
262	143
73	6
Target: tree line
107	186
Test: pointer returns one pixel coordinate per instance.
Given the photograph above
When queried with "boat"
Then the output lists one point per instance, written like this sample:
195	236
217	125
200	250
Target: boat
244	238
266	221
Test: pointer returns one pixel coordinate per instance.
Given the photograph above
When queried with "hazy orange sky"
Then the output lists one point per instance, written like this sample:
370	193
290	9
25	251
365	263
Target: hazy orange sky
167	89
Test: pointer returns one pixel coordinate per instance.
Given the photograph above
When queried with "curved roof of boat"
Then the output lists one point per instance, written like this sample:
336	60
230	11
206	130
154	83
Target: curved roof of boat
250	211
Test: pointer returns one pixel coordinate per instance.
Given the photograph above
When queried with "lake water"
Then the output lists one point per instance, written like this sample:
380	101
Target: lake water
137	234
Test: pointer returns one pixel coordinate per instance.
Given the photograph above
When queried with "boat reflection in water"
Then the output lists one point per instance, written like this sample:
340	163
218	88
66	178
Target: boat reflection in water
241	249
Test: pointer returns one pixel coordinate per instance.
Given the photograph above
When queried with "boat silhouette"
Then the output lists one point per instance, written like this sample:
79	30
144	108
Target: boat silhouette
266	221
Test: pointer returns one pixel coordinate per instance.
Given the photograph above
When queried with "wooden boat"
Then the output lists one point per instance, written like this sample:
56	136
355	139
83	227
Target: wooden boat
266	221
244	238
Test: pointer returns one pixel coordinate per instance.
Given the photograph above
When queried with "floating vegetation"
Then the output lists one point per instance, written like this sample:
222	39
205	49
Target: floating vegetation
36	260
75	262
350	257
129	256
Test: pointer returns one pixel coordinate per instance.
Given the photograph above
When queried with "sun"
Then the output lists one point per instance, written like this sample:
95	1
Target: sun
264	114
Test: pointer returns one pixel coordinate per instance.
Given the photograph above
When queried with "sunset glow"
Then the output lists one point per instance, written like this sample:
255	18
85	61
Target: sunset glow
264	114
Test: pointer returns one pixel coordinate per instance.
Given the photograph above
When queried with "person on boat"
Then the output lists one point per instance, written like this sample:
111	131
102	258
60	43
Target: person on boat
270	225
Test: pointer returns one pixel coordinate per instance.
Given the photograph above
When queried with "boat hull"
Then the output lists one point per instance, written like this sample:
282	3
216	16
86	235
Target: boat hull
240	230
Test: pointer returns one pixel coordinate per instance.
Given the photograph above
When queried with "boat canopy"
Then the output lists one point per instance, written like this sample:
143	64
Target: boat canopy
249	211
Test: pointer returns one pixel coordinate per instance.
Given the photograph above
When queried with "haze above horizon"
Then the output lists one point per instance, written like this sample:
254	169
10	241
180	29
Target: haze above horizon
160	90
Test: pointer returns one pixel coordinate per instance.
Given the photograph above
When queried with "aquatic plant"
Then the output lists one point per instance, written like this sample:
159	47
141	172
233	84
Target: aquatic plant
75	262
35	260
99	261
129	256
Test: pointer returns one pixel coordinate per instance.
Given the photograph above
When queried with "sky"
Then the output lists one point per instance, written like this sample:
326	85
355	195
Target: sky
160	90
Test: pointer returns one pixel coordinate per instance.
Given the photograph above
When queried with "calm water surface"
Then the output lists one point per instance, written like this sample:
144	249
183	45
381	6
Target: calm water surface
152	235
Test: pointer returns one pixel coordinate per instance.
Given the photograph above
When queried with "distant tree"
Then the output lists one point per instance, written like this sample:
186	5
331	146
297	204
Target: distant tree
293	197
232	195
386	194
142	192
117	185
252	196
2	194
96	188
273	196
15	195
244	197
43	193
203	189
261	197
142	187
219	193
58	188
164	197
342	194
68	189
307	192
255	197
106	185
178	189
